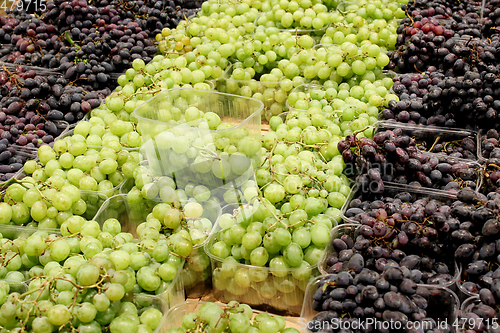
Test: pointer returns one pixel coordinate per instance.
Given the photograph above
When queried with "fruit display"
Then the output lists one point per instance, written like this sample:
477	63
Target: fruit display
333	160
370	299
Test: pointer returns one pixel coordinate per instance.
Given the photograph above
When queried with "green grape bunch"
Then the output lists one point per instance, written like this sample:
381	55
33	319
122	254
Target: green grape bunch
191	134
234	317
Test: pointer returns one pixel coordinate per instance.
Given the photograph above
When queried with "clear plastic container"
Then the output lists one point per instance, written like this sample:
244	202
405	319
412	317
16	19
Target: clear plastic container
391	190
130	216
196	273
270	93
13	231
468	304
463	292
303	88
276	290
145	301
174	317
443	304
468	173
213	158
471	323
95	199
435	139
351	229
71	131
337	232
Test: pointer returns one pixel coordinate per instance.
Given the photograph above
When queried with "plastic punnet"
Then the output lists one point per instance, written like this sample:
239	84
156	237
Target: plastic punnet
179	143
174	317
391	190
435	139
279	290
195	275
130	216
352	230
272	93
443	305
295	31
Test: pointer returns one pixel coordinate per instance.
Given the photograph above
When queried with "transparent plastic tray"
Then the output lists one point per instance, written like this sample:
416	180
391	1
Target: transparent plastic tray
196	273
468	304
308	87
185	152
475	177
13	231
270	93
95	199
392	189
145	301
275	290
443	304
130	216
71	132
468	323
303	88
174	317
463	291
433	137
351	229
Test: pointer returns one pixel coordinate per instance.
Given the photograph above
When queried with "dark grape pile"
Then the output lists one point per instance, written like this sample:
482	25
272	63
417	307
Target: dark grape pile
457	57
387	292
62	62
393	156
448	60
403	239
480	314
88	42
456	143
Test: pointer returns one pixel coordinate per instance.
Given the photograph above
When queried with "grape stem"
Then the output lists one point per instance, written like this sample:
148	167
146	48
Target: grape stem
435	143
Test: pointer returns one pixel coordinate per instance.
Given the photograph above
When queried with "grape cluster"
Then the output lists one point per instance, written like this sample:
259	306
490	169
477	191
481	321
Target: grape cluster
423	35
467	100
387	293
362	21
88	279
480	314
491	15
415	105
410	225
27	93
393	156
444	42
233	317
455	143
477	240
